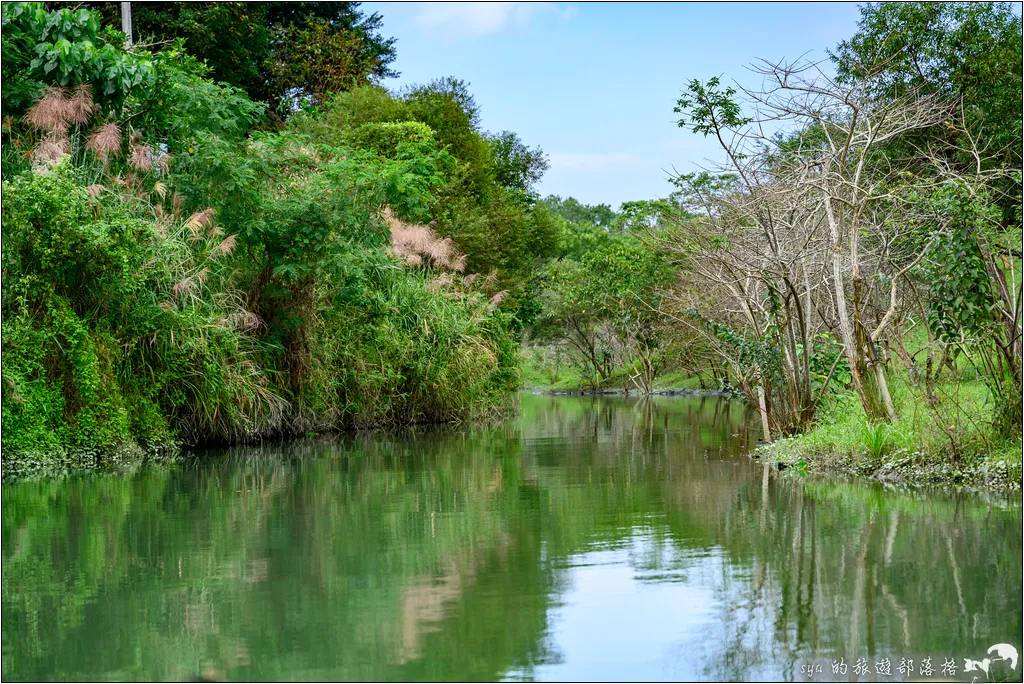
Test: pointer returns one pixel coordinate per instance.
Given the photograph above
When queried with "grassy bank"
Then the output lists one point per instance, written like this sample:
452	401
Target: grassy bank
949	440
540	372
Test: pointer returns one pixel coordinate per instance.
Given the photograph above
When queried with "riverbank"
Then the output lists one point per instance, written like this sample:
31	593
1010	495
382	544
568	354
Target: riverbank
927	446
128	456
539	374
951	441
668	392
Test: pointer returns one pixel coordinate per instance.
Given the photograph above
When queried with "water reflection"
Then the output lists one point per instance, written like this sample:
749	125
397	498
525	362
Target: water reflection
585	539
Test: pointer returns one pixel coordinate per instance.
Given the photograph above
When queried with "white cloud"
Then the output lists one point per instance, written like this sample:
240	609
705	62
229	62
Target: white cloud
583	162
472	19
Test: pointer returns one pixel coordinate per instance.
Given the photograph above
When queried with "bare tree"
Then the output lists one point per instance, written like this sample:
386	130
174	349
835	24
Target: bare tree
814	208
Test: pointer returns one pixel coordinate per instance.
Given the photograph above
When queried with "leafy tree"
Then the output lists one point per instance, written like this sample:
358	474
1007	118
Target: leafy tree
964	50
280	53
967	52
574	211
187	110
447	106
168	95
516	167
646	216
603	302
972	306
496	227
315	59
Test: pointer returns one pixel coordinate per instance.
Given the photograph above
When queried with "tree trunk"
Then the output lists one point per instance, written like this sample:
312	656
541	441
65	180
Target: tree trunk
853	334
763	409
126	22
875	396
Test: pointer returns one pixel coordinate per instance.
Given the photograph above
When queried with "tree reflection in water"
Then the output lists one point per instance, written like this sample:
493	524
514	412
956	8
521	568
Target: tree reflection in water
477	553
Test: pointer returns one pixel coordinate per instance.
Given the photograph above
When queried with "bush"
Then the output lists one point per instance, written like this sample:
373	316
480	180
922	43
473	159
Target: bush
107	337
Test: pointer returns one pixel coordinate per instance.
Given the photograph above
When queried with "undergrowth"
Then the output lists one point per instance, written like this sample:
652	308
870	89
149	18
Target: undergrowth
949	439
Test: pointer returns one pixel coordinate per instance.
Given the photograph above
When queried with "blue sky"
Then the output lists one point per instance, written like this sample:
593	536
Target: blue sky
594	84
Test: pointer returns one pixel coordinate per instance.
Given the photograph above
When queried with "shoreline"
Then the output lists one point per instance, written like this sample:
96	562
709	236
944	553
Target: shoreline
671	392
979	473
982	473
787	456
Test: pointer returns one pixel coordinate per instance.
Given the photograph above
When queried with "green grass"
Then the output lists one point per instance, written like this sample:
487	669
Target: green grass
537	372
678	380
952	441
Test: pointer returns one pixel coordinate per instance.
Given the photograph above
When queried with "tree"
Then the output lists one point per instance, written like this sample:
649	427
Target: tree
66	48
499	229
574	211
516	167
603	304
314	60
829	173
964	52
278	52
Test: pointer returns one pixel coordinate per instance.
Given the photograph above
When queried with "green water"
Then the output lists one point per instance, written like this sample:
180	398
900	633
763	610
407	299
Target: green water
585	538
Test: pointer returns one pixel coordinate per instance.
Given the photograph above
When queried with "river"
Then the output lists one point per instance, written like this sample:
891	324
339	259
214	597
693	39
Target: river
585	538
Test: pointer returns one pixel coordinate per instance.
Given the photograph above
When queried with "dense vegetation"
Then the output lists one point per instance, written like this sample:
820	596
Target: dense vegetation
853	269
229	229
180	267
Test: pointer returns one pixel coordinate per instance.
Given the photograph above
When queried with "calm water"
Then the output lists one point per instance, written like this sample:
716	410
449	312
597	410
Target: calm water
587	538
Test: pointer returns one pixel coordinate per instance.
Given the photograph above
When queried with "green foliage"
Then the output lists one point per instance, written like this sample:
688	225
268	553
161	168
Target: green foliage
494	224
876	439
960	296
616	279
948	439
397	348
601	299
515	166
250	292
290	200
304	203
969	274
962	50
66	48
279	53
967	52
188	109
58	385
573	211
388	138
708	108
101	346
314	60
299	208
